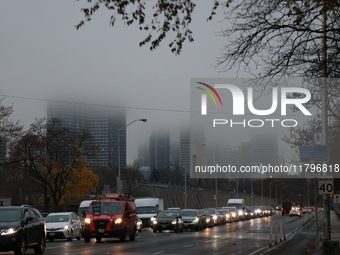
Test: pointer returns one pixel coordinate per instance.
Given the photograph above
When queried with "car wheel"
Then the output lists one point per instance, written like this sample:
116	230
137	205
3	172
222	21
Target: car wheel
41	248
154	230
87	237
181	229
99	239
122	237
176	229
71	236
22	249
133	236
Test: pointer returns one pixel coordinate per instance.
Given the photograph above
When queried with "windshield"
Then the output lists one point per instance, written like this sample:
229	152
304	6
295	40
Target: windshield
57	218
80	211
10	215
146	209
106	208
166	214
238	206
189	213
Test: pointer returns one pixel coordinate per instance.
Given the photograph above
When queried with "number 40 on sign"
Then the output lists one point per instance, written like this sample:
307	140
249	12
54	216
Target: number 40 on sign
326	186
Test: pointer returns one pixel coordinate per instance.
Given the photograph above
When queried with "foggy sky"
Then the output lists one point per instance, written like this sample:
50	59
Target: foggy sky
44	57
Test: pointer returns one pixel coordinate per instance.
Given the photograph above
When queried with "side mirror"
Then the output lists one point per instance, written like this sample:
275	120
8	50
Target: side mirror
127	214
29	218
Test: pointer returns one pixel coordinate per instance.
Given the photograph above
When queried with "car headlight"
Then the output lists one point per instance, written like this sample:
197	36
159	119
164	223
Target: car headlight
87	220
153	219
118	221
174	222
195	220
9	231
65	227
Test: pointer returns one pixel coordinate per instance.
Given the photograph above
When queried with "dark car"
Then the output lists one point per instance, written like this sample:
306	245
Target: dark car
168	220
286	207
209	219
22	227
192	219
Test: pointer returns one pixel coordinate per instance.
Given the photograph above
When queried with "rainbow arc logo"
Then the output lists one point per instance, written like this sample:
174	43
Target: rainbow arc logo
204	96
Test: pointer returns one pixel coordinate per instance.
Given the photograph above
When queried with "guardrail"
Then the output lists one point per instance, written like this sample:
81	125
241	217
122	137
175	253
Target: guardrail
280	228
277	231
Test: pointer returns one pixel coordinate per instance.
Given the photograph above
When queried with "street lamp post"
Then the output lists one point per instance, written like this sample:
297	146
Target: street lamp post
119	180
307	195
276	190
270	191
281	192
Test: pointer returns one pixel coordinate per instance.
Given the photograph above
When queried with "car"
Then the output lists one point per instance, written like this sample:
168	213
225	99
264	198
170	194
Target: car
168	220
115	216
22	227
286	206
192	219
307	209
209	219
216	217
139	224
63	225
295	211
278	208
223	215
235	214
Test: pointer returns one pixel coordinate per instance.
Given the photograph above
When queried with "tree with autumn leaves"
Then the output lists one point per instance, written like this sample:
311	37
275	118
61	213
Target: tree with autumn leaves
51	158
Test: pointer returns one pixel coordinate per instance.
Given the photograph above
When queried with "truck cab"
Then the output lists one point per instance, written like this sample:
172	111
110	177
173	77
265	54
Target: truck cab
111	218
147	209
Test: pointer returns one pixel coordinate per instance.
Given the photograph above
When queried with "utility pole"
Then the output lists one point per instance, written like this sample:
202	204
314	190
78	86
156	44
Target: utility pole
327	225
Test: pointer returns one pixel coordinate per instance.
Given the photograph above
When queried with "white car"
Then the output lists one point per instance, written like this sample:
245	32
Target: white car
63	225
295	211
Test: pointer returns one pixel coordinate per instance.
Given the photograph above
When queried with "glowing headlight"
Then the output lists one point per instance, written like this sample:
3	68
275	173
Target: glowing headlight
155	222
118	221
87	221
173	222
215	217
9	231
195	220
153	219
66	227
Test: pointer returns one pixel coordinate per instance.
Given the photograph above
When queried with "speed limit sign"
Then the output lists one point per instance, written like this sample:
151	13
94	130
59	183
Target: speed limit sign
317	138
326	186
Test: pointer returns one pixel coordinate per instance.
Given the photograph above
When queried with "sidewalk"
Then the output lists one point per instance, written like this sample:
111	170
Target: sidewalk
333	246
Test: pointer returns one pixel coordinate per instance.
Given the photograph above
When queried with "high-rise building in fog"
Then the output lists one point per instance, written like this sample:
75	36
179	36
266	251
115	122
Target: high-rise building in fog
185	150
102	123
159	149
264	147
143	155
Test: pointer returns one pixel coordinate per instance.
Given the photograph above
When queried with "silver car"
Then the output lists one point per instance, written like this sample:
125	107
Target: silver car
63	225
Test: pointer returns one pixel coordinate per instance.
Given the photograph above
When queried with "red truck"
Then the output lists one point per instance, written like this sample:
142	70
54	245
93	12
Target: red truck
111	217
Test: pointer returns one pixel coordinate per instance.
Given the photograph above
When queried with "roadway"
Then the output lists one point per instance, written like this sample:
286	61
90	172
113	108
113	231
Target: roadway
244	237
